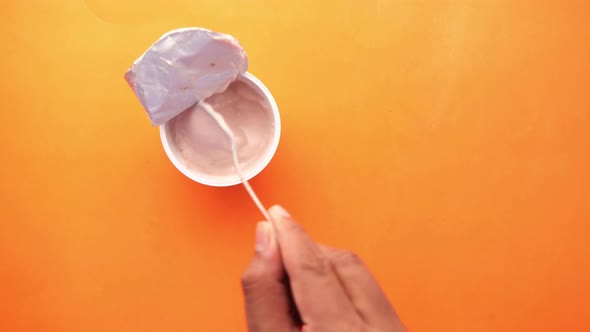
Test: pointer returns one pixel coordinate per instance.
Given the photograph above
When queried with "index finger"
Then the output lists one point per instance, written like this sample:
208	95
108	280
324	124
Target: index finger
363	290
320	298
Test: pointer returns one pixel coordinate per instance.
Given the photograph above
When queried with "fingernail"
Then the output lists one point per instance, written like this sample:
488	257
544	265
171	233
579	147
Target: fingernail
262	236
279	211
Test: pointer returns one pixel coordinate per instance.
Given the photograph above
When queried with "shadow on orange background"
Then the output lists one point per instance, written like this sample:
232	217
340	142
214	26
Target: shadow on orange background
444	141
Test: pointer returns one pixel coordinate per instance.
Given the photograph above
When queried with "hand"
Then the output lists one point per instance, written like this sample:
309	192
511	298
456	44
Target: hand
293	282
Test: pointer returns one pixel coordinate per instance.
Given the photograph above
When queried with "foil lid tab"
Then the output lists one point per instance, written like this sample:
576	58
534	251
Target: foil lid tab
182	68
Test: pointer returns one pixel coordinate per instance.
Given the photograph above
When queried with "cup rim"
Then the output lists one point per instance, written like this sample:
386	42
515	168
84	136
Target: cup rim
265	160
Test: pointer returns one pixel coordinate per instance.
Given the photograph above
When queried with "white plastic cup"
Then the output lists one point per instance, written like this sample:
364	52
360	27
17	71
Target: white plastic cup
262	162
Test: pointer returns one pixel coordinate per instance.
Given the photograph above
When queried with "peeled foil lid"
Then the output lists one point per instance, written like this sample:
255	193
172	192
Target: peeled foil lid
184	67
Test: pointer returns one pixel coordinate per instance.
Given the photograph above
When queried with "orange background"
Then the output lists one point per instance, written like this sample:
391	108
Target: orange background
447	142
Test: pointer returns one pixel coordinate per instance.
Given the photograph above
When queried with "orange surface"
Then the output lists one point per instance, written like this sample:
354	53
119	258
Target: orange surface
447	142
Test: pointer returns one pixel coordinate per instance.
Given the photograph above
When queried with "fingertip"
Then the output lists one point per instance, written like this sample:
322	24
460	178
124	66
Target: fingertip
283	222
279	212
273	246
266	261
263	236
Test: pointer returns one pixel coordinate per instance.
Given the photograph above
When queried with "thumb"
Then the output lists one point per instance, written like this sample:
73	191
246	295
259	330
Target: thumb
268	303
